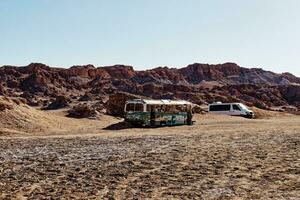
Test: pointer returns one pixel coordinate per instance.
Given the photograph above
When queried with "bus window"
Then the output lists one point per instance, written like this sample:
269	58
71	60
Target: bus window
129	107
149	108
183	108
162	108
139	107
167	109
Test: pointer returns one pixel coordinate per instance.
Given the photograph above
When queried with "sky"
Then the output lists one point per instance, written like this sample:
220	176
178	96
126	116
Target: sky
151	33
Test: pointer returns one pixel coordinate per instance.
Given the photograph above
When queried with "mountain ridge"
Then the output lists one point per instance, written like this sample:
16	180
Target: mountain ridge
199	83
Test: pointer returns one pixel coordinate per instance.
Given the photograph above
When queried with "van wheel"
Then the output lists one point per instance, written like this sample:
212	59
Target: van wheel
249	116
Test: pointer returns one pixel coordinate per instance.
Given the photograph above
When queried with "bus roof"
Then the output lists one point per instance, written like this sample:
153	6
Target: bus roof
160	102
220	103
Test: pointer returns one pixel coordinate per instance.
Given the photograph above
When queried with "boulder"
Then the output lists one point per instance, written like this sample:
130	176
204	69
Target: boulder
83	111
59	102
86	97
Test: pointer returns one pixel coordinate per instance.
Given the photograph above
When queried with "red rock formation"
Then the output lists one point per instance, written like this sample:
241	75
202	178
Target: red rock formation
198	83
81	71
120	71
291	93
290	77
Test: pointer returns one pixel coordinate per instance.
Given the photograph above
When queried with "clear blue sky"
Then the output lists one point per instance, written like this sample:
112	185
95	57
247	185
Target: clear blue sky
151	33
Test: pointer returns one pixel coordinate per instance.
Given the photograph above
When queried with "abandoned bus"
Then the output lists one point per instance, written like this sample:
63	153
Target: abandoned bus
163	112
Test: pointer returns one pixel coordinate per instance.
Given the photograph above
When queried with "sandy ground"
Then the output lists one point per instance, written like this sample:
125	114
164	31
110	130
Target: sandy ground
219	157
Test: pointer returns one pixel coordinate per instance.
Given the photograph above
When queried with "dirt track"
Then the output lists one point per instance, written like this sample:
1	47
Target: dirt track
218	158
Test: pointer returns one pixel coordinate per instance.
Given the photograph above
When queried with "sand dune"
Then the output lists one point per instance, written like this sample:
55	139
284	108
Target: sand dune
24	120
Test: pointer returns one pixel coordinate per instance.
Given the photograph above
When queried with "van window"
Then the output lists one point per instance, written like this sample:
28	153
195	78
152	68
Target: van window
219	108
236	107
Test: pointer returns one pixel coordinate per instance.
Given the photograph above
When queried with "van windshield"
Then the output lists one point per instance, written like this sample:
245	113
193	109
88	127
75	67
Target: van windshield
243	107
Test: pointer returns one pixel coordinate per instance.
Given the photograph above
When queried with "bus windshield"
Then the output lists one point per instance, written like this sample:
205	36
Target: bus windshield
139	107
129	107
134	107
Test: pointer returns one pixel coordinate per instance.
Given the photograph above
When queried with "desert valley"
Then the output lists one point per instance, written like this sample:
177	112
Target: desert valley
62	135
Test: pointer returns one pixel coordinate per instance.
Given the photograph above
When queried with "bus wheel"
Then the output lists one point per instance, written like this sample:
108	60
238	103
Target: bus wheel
163	123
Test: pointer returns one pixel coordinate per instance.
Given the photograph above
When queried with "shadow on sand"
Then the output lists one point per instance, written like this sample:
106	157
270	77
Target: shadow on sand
125	125
119	126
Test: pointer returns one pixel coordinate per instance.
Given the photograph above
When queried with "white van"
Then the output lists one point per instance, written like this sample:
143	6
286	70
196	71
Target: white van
235	109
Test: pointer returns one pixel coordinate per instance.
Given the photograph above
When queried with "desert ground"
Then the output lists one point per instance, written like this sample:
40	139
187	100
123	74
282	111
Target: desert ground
45	155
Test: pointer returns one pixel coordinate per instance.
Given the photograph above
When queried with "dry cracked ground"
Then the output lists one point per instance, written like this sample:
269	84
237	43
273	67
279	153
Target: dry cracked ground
217	158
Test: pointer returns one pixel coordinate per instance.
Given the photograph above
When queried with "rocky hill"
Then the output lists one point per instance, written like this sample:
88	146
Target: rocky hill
40	84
